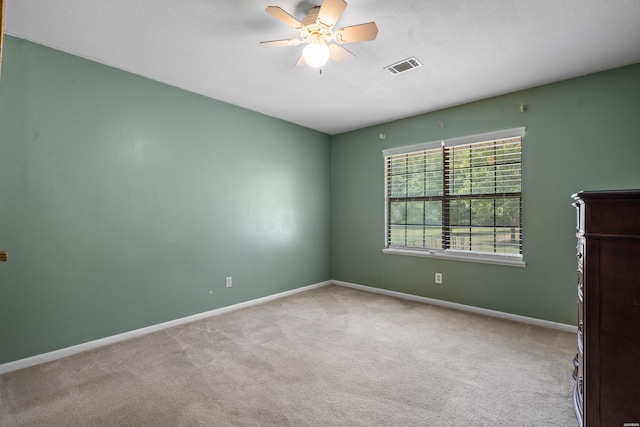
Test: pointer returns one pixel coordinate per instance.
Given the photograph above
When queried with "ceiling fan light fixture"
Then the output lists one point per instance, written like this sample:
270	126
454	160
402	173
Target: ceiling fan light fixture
316	54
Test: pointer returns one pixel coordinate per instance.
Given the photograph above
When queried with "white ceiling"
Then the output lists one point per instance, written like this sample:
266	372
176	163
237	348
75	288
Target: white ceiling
470	49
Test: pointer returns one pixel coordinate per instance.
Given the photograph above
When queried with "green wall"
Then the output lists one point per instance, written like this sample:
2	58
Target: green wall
581	134
125	202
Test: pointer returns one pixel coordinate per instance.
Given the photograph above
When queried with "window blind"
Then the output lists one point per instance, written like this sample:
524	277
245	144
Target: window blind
462	195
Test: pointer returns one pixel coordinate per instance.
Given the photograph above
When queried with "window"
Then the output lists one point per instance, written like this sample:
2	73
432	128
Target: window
460	198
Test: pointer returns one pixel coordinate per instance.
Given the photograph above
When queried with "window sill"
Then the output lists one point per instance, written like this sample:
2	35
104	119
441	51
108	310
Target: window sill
457	257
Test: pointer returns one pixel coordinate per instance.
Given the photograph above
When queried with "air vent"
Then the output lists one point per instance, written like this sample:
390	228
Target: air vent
402	66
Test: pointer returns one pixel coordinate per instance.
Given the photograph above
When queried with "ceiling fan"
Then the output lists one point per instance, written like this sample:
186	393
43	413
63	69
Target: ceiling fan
316	29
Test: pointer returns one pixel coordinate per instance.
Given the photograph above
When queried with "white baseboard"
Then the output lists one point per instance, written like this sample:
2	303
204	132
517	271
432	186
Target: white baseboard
469	308
69	351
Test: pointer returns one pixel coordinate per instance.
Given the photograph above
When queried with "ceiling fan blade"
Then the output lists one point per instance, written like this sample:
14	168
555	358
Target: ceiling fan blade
340	55
356	33
283	16
330	12
301	62
280	43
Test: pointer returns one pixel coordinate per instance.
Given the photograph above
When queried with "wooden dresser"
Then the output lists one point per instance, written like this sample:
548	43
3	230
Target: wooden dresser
607	366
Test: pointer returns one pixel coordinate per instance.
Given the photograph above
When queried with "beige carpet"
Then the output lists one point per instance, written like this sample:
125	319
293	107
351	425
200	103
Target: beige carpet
332	356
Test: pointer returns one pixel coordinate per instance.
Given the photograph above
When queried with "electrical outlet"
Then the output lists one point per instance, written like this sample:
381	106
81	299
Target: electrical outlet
228	282
439	278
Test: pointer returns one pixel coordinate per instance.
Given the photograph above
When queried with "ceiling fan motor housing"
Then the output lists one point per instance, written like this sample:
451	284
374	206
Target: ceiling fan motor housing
314	31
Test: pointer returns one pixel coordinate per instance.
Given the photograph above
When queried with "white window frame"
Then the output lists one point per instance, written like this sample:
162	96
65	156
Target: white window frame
452	254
